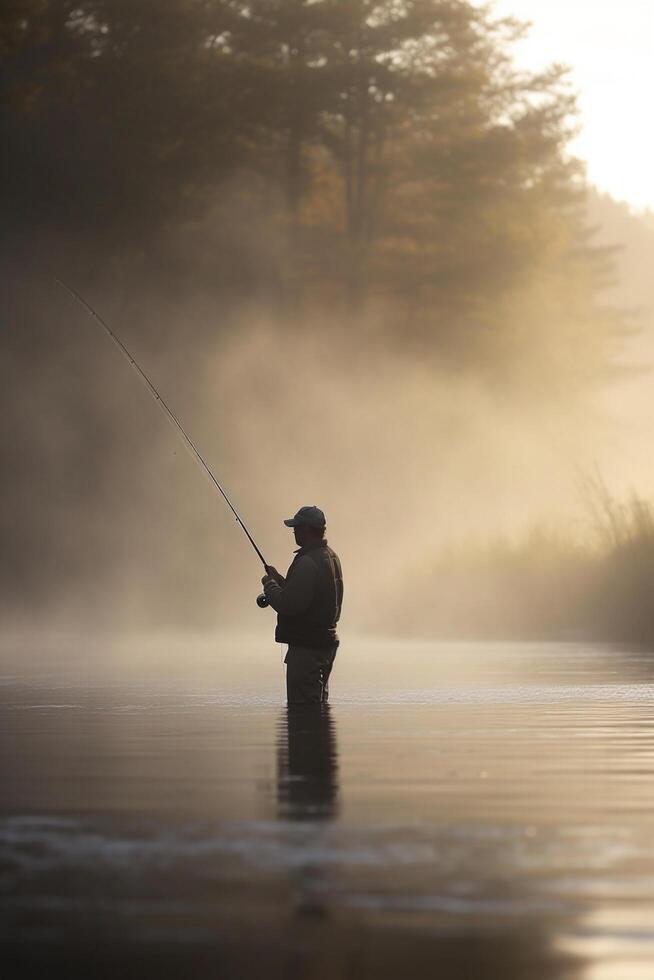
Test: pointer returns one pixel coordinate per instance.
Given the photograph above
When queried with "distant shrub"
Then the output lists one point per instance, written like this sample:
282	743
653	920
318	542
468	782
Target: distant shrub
545	584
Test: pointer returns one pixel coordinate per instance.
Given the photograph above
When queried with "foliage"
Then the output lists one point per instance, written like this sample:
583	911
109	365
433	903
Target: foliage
545	584
391	151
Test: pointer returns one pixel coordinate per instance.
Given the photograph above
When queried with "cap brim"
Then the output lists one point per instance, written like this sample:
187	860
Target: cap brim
291	522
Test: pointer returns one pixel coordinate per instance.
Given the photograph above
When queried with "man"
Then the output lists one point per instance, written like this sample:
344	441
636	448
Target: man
308	605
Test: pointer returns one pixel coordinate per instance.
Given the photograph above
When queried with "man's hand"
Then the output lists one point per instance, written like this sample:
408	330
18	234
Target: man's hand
271	572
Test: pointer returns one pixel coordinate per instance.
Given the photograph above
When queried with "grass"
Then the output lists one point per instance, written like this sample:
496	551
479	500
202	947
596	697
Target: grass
597	583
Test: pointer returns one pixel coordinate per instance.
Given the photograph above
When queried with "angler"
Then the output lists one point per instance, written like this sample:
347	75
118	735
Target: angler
308	601
308	605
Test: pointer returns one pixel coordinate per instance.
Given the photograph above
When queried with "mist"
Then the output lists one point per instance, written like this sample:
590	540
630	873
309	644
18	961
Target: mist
352	247
109	520
438	347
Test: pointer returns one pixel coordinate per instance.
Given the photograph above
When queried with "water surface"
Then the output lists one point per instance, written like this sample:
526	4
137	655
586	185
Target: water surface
461	809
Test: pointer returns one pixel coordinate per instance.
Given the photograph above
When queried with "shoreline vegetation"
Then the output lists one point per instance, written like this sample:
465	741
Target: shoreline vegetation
594	583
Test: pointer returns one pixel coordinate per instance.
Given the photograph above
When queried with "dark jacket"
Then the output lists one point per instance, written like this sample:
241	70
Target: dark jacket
308	602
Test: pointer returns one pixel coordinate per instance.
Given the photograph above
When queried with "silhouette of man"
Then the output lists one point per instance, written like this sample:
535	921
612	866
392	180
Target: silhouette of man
307	763
308	606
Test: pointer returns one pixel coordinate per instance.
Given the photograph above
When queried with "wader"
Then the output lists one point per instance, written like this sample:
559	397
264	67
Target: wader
307	674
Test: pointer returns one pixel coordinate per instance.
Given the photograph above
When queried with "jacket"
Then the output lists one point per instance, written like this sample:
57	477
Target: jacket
308	602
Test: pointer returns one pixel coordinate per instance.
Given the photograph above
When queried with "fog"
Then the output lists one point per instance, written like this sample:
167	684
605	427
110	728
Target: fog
440	350
351	246
112	522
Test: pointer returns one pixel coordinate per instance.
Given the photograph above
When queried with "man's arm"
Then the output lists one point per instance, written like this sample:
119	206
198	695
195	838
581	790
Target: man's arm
296	594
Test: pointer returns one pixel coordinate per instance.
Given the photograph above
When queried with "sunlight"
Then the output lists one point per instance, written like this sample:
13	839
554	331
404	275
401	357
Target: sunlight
609	48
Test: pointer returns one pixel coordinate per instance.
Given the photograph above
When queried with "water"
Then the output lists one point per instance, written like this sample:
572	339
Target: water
460	810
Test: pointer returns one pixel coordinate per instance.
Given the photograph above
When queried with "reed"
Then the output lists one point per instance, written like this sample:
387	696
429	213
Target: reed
594	581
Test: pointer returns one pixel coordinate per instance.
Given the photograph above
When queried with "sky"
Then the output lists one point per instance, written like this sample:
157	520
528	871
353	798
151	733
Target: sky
610	47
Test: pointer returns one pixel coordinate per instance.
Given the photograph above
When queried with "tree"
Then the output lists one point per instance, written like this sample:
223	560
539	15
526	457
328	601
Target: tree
391	151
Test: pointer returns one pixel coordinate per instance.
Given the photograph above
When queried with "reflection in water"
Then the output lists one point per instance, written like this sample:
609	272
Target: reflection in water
307	792
307	802
307	763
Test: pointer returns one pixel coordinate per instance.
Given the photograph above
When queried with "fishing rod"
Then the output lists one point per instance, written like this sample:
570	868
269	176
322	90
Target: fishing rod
171	417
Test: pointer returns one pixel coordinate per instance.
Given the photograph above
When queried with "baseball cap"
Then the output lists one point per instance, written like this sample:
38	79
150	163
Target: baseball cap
313	516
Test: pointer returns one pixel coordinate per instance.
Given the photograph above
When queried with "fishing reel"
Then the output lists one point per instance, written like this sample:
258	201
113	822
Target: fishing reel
262	601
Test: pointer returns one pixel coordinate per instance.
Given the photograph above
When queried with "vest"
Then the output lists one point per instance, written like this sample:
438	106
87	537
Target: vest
316	626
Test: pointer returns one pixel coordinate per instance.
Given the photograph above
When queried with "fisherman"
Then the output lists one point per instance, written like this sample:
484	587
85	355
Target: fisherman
308	605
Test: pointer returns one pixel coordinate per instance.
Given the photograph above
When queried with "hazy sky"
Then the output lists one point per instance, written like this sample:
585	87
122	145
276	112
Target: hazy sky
610	47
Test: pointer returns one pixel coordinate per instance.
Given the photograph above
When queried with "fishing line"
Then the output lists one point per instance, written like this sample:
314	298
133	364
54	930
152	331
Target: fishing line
168	412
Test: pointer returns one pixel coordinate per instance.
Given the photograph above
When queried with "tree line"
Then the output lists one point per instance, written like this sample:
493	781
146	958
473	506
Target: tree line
383	161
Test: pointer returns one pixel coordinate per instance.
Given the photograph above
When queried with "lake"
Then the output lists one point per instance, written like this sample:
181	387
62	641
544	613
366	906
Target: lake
460	810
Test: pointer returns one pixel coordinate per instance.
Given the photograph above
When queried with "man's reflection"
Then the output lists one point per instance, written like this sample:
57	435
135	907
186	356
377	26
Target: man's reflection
307	763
